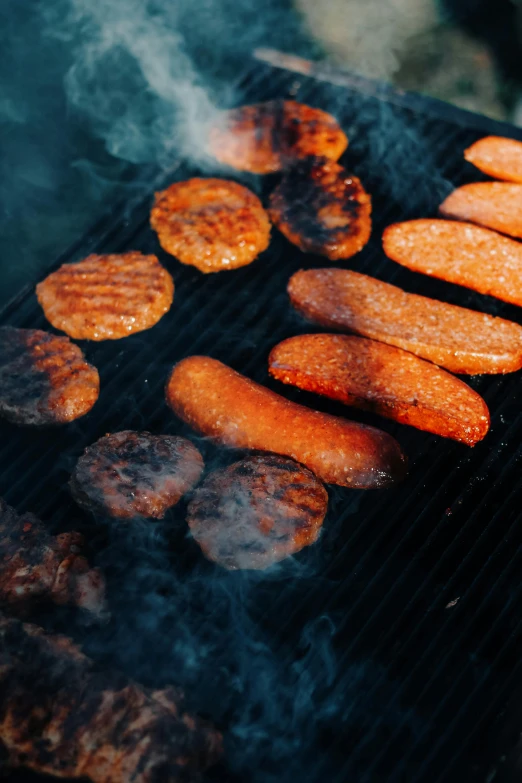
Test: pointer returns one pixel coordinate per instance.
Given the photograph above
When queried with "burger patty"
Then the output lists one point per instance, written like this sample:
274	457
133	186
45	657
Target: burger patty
135	474
257	511
322	209
106	297
265	137
212	224
44	379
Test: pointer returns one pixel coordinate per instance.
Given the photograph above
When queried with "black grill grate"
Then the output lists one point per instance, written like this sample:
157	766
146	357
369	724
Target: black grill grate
417	586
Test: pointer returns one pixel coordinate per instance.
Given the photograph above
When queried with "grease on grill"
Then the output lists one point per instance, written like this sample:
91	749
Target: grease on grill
322	209
135	474
257	512
266	137
44	379
61	716
37	566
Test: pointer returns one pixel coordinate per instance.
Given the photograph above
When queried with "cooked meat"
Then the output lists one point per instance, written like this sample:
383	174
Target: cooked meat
37	566
44	379
106	297
499	157
61	716
384	379
265	137
135	474
496	205
223	404
322	209
461	340
461	253
212	224
257	511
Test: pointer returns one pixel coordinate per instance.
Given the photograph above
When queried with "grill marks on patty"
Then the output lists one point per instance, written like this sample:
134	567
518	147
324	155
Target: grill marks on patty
212	224
44	379
265	137
106	297
257	511
322	209
135	474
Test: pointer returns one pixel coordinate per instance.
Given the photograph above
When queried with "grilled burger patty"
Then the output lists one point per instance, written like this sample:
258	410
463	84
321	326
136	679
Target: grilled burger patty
61	716
37	566
322	209
135	474
212	224
257	511
44	379
265	137
106	297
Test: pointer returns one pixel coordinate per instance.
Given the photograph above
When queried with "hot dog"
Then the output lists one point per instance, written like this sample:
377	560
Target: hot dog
222	404
499	157
496	205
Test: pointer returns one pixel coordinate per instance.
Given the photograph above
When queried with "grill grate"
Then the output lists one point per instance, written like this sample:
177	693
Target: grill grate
416	586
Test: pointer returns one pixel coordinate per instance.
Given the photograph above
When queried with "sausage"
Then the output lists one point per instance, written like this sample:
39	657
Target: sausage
220	403
461	340
496	205
461	253
499	157
383	379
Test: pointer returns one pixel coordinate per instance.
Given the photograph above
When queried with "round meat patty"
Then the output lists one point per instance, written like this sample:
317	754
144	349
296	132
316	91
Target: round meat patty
135	474
106	297
322	209
265	137
212	224
257	511
44	379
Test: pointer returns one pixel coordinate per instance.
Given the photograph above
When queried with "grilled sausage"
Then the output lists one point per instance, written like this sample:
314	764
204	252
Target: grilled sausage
463	341
221	403
265	137
36	566
496	205
322	209
212	224
257	512
383	379
44	379
135	474
460	253
62	715
106	297
499	157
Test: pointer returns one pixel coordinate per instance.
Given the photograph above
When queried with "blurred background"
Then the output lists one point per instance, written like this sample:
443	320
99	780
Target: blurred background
92	93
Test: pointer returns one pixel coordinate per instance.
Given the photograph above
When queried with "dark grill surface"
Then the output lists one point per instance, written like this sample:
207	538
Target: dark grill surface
390	651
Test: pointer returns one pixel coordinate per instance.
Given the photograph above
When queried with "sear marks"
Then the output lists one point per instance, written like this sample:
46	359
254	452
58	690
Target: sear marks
135	474
265	137
61	716
106	297
44	379
37	566
383	379
322	209
461	340
257	512
212	224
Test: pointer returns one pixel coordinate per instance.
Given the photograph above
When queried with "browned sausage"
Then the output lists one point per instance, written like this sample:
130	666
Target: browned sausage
461	253
499	157
461	340
384	379
220	403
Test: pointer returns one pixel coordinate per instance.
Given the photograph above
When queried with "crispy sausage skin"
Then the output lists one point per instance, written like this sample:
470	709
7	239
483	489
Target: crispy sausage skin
461	340
384	379
499	157
220	403
461	253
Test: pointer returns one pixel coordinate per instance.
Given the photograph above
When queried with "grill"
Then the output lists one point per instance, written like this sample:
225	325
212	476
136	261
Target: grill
390	651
